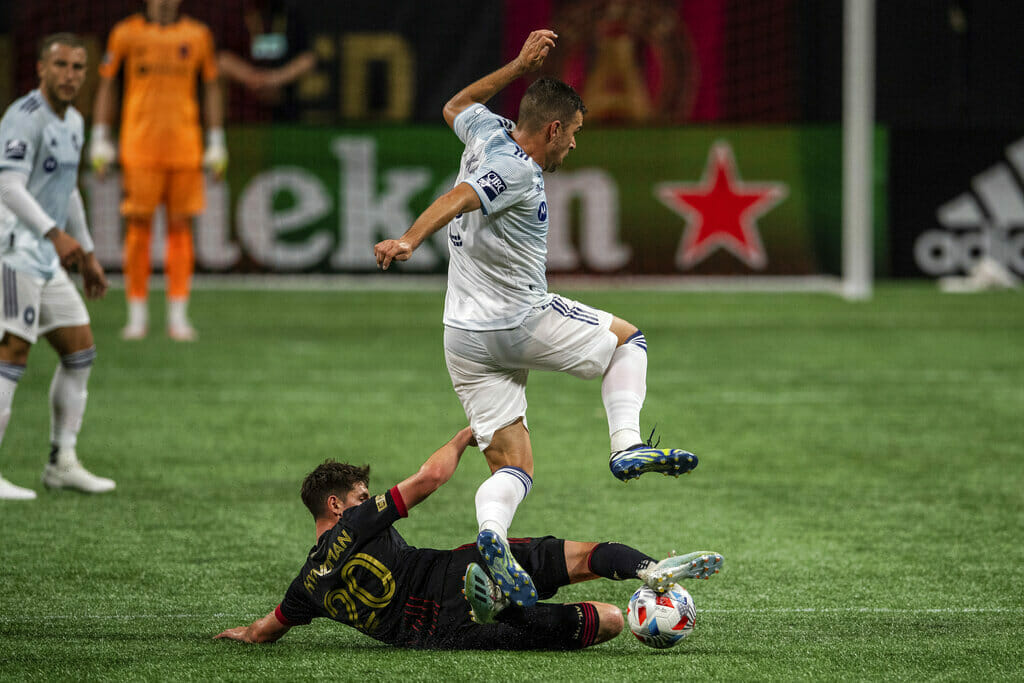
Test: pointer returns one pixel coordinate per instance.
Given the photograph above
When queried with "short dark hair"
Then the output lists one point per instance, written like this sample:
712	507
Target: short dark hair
547	100
331	478
64	38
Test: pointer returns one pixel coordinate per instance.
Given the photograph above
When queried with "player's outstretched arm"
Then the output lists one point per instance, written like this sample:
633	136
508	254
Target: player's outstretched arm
461	199
265	630
438	469
531	57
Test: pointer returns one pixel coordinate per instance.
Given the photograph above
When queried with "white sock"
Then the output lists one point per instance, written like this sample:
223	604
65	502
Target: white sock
10	373
138	313
623	390
177	312
499	496
68	395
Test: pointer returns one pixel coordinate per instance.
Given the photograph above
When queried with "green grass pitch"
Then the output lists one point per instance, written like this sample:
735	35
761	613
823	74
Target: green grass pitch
862	471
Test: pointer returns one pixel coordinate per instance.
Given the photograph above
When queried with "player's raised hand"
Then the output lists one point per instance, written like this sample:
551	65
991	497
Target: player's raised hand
391	250
94	280
535	49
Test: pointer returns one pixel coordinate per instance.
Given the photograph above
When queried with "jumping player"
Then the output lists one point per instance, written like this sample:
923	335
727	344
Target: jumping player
362	573
162	55
500	320
42	231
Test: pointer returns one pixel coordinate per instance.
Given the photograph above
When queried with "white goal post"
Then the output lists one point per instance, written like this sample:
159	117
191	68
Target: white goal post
858	147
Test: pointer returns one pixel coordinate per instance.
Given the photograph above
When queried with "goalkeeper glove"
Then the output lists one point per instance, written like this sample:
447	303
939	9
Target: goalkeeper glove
101	149
216	157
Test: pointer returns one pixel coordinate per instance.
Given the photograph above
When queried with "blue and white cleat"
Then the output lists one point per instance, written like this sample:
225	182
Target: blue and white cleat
698	565
511	578
641	459
483	595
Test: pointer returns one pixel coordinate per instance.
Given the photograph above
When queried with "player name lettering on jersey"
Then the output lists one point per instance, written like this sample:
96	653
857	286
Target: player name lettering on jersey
335	551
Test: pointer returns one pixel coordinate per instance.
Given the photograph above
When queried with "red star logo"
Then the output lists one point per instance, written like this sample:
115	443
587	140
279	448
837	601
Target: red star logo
721	211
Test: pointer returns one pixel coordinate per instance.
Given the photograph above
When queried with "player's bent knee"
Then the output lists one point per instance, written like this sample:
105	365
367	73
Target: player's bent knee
610	621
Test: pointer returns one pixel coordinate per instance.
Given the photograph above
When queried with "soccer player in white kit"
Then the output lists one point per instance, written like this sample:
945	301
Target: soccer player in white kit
500	320
41	138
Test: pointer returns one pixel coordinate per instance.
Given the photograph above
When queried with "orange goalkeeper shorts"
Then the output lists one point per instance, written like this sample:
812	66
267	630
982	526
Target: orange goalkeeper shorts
179	190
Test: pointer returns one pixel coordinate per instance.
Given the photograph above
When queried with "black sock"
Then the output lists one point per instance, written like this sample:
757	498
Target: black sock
549	626
617	561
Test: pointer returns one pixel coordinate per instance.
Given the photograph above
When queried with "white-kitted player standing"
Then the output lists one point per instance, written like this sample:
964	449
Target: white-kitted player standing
500	320
42	232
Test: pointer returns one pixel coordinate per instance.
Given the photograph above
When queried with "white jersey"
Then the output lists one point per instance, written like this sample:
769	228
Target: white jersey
47	149
498	255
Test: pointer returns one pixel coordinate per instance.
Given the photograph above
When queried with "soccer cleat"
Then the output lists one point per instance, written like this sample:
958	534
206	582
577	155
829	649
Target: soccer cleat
132	332
641	459
9	491
68	473
698	565
484	597
511	578
182	333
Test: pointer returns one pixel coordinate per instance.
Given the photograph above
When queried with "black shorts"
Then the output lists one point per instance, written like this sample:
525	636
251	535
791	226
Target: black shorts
544	560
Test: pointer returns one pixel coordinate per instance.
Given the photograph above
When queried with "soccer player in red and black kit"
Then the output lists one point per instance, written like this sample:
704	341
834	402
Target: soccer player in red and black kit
362	573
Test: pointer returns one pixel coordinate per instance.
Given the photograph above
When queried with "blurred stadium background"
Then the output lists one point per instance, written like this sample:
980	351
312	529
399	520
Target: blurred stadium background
357	148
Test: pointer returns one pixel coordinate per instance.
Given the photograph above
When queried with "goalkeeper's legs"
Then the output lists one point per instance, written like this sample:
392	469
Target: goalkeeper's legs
179	269
137	268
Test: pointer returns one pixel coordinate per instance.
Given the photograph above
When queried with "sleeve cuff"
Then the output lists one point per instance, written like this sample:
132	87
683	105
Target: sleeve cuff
396	496
280	616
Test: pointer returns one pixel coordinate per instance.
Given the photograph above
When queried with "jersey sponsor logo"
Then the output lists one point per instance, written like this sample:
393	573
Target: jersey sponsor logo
15	149
542	211
492	184
382	502
50	165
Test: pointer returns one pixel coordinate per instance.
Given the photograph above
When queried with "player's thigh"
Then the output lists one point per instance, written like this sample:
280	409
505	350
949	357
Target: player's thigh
544	560
185	196
145	188
21	293
61	307
563	336
492	397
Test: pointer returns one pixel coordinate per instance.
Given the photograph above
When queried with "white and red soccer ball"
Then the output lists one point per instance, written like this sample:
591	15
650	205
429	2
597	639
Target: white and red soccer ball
661	620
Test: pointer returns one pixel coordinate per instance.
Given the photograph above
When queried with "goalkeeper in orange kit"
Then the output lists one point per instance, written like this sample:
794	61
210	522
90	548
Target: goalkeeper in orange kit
161	54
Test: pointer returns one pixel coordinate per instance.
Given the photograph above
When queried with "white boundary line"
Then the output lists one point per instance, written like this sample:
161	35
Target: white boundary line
765	610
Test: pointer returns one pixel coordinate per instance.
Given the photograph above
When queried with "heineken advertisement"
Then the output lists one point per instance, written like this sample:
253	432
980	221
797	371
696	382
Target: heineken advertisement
736	201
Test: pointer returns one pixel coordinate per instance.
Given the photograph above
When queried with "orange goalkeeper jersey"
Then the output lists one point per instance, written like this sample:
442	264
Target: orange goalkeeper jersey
160	116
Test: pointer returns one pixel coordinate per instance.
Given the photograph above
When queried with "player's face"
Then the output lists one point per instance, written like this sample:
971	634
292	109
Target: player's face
61	73
356	495
162	11
563	141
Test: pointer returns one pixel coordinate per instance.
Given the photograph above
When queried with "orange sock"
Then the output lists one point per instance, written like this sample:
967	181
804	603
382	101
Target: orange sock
180	258
136	258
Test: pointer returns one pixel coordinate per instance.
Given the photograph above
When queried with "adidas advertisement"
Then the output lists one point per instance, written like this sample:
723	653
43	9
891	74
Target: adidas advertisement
956	200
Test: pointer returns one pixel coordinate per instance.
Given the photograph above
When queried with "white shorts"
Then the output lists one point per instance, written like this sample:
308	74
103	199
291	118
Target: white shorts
33	306
489	369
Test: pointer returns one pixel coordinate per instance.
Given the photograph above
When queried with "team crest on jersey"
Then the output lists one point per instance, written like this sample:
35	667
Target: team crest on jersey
50	165
183	50
15	149
492	184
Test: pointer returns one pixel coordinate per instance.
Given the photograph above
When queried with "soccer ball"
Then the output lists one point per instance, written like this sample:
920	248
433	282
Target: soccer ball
661	619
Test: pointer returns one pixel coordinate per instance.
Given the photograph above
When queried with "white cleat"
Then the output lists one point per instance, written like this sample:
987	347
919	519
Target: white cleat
699	565
182	333
9	491
134	332
68	473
